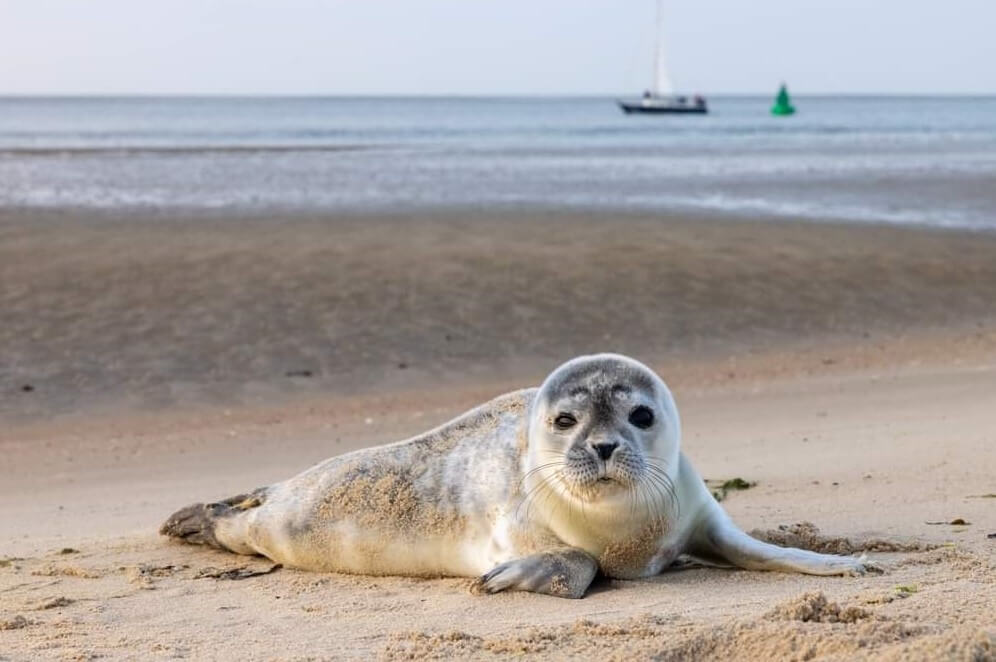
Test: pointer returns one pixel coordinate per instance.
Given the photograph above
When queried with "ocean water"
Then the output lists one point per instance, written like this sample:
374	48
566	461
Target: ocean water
888	159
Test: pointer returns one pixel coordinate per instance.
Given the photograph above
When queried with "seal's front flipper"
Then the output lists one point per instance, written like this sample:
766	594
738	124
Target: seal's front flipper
565	573
199	524
720	537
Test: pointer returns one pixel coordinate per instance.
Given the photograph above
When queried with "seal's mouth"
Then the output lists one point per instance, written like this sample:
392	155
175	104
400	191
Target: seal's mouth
601	488
588	477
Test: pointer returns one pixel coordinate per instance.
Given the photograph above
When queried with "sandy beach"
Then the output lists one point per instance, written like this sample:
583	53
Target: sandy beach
849	371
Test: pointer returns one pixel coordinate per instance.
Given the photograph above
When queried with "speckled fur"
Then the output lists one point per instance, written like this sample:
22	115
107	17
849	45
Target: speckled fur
505	494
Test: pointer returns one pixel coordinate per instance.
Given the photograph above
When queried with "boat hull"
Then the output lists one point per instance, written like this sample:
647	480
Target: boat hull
649	109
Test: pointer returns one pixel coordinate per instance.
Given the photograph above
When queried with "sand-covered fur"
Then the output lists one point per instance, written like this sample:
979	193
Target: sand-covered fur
536	490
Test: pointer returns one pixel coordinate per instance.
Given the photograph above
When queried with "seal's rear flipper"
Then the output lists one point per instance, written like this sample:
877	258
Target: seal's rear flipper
198	524
193	524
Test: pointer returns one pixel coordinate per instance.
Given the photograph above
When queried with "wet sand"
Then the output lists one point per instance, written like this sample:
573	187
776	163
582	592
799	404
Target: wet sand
159	312
849	371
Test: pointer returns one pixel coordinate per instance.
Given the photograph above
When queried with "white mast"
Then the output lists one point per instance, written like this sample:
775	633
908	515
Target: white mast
662	82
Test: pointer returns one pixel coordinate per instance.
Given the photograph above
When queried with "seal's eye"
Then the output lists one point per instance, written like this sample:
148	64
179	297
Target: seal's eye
641	417
564	421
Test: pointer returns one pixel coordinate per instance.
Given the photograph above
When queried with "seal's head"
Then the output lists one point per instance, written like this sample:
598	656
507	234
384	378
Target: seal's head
603	427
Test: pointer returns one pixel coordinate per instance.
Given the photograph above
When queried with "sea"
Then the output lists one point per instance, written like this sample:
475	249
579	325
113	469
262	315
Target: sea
907	160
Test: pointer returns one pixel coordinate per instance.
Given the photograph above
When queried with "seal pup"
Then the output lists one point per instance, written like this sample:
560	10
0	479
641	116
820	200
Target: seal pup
537	490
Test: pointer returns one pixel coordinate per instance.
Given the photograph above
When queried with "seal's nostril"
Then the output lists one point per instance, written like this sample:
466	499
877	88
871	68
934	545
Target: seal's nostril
605	450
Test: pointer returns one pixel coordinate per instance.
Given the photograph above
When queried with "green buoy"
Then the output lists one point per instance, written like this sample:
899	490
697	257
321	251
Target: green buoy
783	105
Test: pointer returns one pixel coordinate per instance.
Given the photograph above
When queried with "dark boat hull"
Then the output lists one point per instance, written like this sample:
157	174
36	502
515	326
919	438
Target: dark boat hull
649	109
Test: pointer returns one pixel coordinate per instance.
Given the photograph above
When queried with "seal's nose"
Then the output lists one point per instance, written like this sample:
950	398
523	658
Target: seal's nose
605	450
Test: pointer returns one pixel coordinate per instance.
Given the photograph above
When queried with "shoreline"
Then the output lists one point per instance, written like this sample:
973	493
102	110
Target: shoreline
15	215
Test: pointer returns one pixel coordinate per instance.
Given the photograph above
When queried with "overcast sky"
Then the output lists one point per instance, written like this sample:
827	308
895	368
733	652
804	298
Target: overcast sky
492	46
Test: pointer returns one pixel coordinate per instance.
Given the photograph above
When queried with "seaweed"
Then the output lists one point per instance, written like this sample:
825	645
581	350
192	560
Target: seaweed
958	521
243	572
720	489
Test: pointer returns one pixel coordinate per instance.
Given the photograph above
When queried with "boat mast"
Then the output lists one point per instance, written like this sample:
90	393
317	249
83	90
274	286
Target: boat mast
662	82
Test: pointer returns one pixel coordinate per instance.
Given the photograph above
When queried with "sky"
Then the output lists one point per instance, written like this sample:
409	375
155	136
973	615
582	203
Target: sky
480	47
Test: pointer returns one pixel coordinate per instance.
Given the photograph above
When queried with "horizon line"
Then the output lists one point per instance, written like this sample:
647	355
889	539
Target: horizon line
456	95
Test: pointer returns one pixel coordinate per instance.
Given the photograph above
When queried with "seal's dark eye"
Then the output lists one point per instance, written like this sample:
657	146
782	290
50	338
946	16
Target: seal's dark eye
564	421
642	417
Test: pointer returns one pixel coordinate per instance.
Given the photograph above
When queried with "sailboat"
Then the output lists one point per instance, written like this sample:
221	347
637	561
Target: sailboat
660	98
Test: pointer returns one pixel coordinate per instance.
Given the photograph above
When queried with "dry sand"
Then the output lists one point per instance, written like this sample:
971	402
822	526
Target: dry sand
856	385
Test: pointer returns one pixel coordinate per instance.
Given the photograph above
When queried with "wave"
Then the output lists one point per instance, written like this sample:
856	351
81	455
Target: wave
117	150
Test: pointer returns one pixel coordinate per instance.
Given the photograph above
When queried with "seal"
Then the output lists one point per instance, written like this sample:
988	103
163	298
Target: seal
537	490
